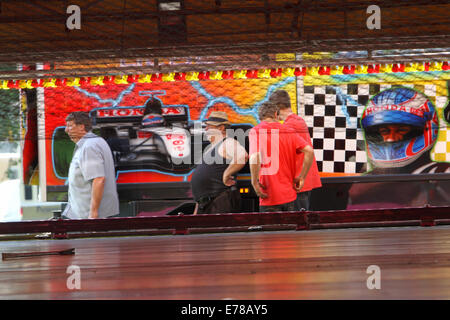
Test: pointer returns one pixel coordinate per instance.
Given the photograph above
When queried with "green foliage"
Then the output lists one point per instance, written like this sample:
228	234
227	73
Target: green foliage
9	115
12	173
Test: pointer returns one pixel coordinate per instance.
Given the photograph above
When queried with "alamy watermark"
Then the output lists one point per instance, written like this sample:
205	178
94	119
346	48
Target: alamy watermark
374	280
73	22
374	20
74	280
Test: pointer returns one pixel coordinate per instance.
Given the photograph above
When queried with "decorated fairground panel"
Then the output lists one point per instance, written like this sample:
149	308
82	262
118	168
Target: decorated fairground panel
363	119
386	125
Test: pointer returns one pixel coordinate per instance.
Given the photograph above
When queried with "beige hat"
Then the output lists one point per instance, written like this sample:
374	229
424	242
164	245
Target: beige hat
217	118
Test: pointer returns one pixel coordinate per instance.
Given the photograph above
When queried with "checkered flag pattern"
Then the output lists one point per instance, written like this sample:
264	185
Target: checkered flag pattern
332	114
441	96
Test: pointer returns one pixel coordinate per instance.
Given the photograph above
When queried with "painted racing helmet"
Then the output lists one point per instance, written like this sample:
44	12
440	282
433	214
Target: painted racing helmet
152	120
153	114
407	113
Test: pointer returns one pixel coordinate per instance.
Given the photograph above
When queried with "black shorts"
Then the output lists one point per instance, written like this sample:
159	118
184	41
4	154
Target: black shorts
229	201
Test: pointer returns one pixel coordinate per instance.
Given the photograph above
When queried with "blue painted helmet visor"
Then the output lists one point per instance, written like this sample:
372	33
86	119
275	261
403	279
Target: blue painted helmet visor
395	107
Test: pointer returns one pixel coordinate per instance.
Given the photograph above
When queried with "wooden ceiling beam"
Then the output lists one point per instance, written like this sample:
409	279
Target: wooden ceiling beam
145	14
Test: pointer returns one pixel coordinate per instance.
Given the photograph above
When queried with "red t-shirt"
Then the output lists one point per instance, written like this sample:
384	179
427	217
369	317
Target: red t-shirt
312	180
279	146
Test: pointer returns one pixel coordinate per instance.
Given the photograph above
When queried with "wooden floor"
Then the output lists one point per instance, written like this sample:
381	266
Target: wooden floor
315	264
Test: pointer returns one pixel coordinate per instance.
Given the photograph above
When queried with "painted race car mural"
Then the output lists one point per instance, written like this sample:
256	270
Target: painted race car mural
160	153
345	141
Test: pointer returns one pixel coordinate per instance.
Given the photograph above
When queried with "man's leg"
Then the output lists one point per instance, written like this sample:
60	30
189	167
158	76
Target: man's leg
204	208
290	206
302	201
236	201
220	204
228	201
276	208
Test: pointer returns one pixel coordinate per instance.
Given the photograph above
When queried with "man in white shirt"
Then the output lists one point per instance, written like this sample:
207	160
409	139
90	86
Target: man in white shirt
92	182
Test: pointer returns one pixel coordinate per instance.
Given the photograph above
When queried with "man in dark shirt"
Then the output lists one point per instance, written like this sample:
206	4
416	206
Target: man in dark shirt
213	184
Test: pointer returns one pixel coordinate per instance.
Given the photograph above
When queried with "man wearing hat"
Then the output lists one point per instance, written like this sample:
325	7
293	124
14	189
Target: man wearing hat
213	183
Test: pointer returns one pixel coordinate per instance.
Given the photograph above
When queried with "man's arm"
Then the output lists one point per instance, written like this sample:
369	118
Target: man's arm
255	167
307	162
196	208
234	151
98	186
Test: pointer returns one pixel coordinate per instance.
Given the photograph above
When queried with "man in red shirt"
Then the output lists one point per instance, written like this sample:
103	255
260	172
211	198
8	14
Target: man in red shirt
281	99
275	151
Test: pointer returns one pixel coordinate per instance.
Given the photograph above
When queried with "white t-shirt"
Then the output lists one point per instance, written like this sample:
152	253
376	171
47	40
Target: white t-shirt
92	158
